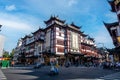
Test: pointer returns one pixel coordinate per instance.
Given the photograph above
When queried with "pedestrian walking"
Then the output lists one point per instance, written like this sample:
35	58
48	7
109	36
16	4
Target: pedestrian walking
12	63
54	66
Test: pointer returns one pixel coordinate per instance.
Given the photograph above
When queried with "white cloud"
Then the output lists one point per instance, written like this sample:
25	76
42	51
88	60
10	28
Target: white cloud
102	36
15	22
10	7
72	2
52	6
15	25
69	9
111	17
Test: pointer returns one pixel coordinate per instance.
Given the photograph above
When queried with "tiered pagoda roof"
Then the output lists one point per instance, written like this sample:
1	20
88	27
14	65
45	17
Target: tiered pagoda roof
40	29
112	5
54	18
73	27
27	36
72	24
91	39
109	25
83	34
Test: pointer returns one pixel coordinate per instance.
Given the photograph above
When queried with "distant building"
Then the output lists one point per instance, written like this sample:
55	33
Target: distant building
17	51
114	28
57	39
1	45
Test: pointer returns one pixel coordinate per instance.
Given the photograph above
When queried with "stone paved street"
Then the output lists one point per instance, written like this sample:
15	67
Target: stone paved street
2	76
71	73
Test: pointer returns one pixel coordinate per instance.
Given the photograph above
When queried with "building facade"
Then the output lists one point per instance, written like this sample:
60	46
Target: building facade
2	38
114	28
60	40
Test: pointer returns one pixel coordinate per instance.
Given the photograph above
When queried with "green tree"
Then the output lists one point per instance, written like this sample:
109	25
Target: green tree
12	53
6	54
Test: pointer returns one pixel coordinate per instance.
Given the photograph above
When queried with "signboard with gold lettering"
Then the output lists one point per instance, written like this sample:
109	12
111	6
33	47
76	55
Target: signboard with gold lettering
118	38
74	37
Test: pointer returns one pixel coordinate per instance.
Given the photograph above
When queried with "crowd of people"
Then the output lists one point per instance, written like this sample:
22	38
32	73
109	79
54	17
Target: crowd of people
111	65
55	64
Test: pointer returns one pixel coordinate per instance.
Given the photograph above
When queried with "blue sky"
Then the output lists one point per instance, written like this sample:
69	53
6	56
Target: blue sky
22	17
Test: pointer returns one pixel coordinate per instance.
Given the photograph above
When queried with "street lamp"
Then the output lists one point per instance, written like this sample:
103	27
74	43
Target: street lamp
106	55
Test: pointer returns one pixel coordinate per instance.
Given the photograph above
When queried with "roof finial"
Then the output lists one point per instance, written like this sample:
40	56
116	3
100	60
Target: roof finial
72	23
51	16
57	16
54	15
39	27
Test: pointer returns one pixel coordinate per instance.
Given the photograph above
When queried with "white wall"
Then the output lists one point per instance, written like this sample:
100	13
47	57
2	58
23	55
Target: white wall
74	40
1	44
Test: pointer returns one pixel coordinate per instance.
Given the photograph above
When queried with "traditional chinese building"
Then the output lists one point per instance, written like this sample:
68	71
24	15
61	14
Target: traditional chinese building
114	28
60	40
17	56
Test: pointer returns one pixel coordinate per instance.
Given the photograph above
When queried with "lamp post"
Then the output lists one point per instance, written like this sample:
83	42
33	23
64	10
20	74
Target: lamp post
105	53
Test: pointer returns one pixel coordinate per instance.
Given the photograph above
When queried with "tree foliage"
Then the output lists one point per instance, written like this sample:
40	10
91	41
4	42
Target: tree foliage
12	53
6	54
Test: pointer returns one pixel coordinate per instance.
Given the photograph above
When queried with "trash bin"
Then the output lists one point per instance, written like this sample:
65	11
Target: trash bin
0	63
5	63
